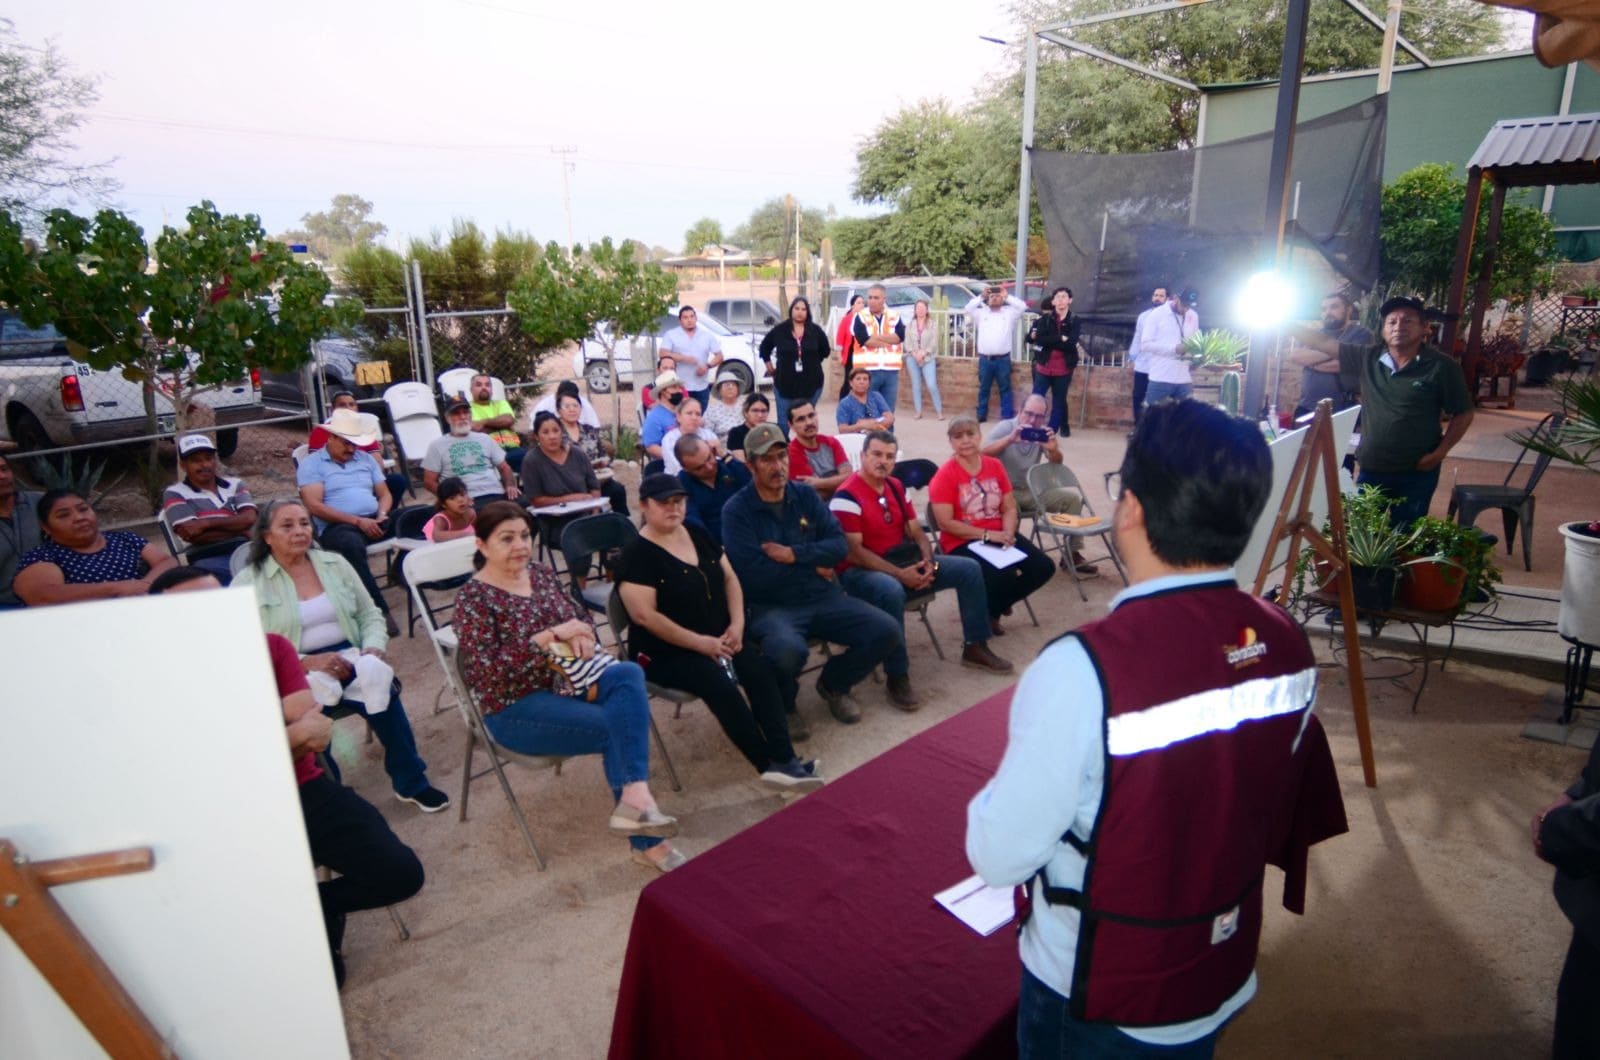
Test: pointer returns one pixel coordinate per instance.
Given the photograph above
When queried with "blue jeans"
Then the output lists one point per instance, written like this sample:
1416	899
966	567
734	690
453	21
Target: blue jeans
1046	1030
1056	386
786	403
927	372
886	385
407	771
869	637
994	370
398	485
887	594
1412	492
616	726
1161	391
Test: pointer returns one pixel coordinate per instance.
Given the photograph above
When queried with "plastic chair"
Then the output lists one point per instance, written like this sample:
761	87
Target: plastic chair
581	540
459	381
1515	503
853	444
238	559
299	453
930	524
175	544
617	616
415	417
1044	477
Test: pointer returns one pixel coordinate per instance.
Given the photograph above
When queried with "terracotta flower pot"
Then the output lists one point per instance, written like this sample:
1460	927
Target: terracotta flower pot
1432	587
1572	300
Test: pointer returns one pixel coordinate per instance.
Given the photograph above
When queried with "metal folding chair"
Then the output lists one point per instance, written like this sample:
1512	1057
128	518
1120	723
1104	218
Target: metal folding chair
1042	478
581	541
617	616
930	524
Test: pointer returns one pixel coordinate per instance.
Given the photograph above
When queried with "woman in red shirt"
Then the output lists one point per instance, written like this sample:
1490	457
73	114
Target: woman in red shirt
845	339
973	505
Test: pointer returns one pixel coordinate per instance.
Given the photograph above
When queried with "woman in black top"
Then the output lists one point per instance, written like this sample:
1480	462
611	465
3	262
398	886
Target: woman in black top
687	610
556	472
1054	341
756	408
801	349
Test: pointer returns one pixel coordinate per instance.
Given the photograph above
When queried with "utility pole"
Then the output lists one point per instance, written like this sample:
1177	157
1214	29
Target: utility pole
567	167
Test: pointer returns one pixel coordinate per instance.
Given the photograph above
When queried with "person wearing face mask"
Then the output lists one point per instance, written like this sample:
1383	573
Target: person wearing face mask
472	456
663	415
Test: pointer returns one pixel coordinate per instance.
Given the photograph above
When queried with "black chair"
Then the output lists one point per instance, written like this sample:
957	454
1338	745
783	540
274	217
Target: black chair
581	541
408	524
915	474
1515	502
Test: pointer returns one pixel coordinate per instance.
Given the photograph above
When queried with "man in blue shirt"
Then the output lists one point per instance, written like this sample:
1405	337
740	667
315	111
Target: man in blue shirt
784	544
663	415
695	353
344	490
710	482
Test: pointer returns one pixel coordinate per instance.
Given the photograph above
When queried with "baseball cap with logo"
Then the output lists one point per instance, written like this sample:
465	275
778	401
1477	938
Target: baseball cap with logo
763	437
194	443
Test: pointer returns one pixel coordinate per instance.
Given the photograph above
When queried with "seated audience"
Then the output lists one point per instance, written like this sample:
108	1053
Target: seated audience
551	402
687	610
344	490
724	413
709	482
78	562
756	410
592	442
345	832
471	456
496	419
647	396
210	514
863	409
663	414
453	512
343	399
815	459
508	618
556	473
691	424
972	503
313	598
784	544
890	557
19	531
1006	444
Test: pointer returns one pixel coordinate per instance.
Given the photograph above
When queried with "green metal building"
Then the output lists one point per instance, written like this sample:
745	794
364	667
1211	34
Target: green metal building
1438	114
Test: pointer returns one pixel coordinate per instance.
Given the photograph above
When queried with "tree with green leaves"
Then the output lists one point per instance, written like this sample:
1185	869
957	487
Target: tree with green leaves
770	229
562	298
468	270
1421	220
41	104
701	234
222	299
332	233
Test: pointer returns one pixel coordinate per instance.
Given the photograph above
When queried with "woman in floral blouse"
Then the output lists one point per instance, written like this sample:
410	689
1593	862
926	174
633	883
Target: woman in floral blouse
506	617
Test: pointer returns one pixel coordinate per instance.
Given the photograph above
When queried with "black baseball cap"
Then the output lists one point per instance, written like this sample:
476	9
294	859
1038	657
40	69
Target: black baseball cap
1191	297
458	402
660	487
1403	302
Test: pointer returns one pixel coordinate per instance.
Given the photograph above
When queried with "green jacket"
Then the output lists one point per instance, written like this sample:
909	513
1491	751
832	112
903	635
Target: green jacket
359	618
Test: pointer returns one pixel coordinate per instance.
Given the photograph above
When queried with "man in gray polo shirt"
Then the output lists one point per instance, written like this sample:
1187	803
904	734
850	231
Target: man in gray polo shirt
1006	444
1408	389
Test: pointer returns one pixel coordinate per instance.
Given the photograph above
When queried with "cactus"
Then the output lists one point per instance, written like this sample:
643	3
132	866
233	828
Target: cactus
939	309
1229	396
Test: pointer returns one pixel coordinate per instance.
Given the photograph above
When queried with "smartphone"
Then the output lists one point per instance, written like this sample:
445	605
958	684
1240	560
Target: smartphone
1034	434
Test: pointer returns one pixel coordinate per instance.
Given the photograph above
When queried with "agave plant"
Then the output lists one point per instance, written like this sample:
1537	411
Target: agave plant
1215	347
1577	442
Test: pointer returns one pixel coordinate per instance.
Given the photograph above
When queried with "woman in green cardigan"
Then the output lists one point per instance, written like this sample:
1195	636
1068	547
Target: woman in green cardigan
314	598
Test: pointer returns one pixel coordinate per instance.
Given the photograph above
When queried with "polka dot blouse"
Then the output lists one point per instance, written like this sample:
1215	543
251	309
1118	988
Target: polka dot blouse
118	561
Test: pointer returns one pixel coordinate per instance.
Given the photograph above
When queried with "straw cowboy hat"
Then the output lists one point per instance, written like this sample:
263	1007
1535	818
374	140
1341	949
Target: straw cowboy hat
360	429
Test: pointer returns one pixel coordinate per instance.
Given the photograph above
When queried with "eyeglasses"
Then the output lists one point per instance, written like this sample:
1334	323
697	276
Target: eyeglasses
883	502
1030	415
1113	484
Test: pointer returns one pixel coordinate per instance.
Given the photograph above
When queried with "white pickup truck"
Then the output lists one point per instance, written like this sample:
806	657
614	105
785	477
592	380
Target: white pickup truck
48	399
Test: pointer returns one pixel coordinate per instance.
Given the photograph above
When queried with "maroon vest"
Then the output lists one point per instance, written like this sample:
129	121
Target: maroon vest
1207	691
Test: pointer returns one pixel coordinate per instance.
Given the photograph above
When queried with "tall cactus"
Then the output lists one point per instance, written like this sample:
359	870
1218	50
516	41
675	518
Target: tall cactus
1228	398
938	307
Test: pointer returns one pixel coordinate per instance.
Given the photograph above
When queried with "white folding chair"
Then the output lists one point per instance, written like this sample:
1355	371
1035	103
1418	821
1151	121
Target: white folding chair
298	454
459	381
853	444
414	416
175	544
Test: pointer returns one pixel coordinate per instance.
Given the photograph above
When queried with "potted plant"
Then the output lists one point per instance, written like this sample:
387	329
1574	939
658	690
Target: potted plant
1590	293
1572	299
1576	443
1449	563
1373	547
1217	348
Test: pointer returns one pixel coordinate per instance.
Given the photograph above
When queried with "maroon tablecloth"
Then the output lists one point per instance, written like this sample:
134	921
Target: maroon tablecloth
815	932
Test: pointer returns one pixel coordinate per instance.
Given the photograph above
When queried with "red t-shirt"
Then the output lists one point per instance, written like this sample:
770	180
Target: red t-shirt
291	678
977	499
800	458
880	519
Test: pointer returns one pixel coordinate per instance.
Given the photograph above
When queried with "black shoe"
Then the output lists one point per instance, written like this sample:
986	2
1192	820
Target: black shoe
793	776
429	800
391	624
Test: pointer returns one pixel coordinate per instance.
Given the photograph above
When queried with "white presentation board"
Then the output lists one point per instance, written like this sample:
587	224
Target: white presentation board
155	722
1285	448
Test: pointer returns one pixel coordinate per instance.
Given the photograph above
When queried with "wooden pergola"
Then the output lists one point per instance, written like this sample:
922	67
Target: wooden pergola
1517	153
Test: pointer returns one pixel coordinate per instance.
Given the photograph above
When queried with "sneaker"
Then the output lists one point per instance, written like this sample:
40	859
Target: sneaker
842	710
900	693
977	656
793	776
429	800
675	859
799	728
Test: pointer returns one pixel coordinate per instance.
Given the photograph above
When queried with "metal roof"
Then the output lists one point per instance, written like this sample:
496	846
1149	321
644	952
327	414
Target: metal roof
1561	149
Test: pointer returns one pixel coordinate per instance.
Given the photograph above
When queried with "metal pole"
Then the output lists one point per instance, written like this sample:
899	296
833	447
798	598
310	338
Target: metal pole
1566	108
1391	31
422	325
1277	213
1030	87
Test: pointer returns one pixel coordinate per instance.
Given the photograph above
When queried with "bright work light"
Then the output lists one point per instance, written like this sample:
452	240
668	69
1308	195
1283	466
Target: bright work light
1265	301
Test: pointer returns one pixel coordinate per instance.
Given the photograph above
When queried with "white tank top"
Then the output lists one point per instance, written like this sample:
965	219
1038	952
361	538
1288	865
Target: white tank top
319	625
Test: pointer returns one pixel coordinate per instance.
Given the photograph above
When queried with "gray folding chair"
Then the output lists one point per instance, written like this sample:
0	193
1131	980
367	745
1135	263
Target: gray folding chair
1045	477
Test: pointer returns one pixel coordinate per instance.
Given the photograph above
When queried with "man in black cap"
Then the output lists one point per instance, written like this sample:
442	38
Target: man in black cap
1408	389
472	456
1162	346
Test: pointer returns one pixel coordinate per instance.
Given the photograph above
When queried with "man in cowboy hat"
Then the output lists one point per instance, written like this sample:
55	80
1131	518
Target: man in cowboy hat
663	415
344	491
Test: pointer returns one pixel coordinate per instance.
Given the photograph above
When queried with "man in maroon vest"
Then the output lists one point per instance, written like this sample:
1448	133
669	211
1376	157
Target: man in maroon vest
1142	802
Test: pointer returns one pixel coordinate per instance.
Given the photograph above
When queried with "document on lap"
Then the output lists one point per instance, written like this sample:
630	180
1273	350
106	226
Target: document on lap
995	556
982	908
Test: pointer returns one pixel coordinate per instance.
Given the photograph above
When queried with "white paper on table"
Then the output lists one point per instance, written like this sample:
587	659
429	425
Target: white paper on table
982	908
995	556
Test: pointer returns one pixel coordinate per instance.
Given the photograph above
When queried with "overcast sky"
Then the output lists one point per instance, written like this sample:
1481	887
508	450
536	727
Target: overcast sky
435	109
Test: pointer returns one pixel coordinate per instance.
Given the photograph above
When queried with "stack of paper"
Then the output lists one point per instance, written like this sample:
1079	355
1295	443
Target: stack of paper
982	908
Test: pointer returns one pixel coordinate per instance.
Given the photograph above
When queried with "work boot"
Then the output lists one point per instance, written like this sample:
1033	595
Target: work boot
977	656
843	711
799	728
900	693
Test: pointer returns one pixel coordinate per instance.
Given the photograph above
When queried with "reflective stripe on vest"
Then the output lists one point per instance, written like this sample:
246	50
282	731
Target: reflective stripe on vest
884	358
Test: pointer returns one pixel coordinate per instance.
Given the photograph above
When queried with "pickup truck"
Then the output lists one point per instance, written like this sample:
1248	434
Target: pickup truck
749	318
49	399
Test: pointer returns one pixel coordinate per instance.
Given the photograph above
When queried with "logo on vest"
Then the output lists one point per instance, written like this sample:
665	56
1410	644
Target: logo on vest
1247	652
1224	926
